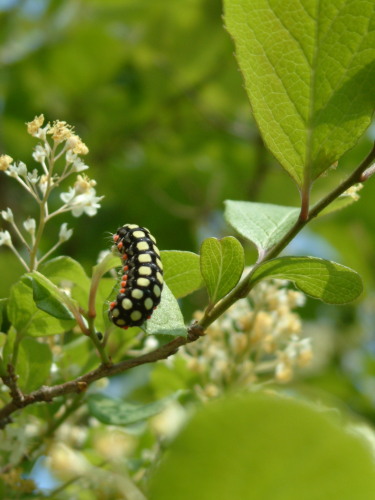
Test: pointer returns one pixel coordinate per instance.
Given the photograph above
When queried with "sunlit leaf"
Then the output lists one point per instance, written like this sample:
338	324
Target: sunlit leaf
323	279
309	69
263	224
181	272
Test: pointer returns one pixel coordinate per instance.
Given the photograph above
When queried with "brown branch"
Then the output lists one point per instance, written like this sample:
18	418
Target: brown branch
80	384
10	381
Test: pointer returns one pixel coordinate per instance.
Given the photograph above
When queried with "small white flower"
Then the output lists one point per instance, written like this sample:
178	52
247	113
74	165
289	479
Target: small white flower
65	233
70	156
5	238
42	133
17	170
85	202
30	226
7	215
69	196
79	166
33	176
43	183
21	169
39	154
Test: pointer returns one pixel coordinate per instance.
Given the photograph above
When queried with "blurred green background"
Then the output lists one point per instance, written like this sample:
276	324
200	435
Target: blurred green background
153	89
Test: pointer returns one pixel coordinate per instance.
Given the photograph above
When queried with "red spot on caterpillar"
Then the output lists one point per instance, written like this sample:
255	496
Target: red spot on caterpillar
125	327
115	237
126	268
122	290
112	305
148	317
124	257
120	245
123	284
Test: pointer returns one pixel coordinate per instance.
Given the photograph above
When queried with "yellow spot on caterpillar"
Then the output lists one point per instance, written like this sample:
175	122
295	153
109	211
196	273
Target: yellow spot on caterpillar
144	257
144	270
131	226
156	250
159	264
120	322
115	312
127	304
157	290
139	234
143	282
159	277
137	294
136	315
142	245
152	238
149	304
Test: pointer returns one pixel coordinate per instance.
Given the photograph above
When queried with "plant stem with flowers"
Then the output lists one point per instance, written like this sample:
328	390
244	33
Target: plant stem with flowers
58	142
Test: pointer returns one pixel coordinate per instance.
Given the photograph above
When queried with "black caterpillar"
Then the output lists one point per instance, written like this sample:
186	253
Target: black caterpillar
142	279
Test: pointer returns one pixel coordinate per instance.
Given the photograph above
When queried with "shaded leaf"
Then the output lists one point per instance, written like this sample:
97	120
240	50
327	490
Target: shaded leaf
48	297
65	271
117	412
33	364
27	319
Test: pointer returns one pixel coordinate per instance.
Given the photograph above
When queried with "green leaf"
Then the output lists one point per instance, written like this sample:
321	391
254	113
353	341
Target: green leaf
66	271
181	272
117	412
323	279
222	263
49	298
167	319
261	223
343	201
309	69
33	364
109	262
265	447
3	306
27	319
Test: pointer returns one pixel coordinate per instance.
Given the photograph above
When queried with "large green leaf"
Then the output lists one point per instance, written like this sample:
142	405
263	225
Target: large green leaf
323	279
309	69
181	272
167	319
33	363
263	447
263	224
222	263
117	412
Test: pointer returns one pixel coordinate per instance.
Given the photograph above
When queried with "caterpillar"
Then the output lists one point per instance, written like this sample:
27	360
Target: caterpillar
142	277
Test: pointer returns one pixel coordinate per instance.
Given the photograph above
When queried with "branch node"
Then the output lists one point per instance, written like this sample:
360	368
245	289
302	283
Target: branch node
81	386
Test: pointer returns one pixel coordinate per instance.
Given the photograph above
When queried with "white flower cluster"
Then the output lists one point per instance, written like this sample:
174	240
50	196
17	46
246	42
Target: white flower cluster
59	146
258	340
